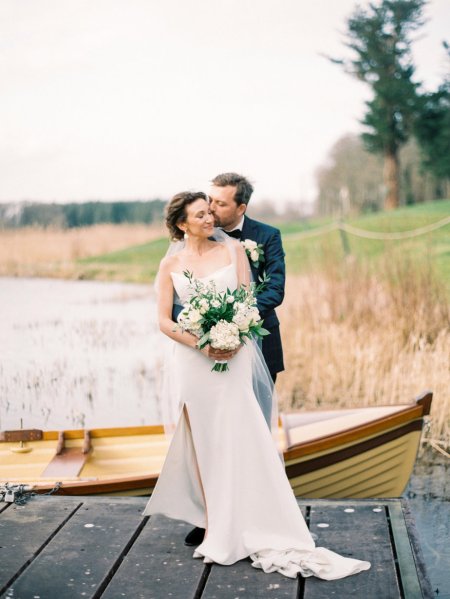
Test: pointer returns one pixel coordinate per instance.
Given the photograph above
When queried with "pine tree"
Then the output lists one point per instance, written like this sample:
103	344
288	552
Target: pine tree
432	128
380	36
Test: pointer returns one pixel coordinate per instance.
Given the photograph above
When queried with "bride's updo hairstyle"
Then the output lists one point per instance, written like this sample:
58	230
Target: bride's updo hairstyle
176	211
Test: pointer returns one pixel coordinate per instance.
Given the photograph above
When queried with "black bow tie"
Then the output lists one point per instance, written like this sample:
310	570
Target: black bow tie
237	233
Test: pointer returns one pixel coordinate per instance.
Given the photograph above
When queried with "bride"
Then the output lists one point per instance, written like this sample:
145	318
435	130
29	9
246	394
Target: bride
222	471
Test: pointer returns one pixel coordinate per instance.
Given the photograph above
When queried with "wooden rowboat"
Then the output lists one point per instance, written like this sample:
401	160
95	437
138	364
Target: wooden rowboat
354	452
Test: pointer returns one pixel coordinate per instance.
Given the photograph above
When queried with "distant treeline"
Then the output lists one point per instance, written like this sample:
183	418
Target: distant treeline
351	179
25	214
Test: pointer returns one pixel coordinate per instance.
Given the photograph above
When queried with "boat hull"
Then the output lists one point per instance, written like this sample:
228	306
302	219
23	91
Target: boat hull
359	455
370	470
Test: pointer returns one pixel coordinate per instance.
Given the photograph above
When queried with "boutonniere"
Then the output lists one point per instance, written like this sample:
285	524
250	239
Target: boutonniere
254	251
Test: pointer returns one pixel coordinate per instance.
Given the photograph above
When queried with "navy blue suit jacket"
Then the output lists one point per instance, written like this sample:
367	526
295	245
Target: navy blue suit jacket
272	296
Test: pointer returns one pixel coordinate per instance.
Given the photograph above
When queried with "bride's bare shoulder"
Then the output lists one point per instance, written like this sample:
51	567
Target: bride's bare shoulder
168	263
229	243
234	245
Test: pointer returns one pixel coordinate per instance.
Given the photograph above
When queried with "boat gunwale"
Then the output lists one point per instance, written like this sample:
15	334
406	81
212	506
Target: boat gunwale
299	468
328	441
411	412
103	486
421	404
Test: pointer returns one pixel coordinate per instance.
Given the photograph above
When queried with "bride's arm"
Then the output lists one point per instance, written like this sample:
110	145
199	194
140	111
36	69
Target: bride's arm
165	306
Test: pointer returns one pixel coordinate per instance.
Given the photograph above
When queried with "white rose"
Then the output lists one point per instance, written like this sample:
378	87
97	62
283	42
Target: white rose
230	299
254	256
194	316
249	244
204	305
254	314
215	304
242	321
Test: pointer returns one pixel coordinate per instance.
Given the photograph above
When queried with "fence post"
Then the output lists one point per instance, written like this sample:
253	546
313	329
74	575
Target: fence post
344	238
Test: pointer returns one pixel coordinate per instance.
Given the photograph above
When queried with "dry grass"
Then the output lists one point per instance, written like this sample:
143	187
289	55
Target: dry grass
38	252
353	338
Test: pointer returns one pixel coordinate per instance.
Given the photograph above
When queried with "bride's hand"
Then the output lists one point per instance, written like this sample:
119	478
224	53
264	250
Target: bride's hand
219	354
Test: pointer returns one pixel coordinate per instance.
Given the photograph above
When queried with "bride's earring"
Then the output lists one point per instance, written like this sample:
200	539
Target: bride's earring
185	235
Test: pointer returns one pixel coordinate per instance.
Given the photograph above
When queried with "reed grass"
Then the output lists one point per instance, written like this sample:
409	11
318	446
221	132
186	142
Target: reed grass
356	337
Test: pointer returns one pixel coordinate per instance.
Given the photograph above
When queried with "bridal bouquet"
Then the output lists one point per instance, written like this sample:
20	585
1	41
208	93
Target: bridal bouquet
222	319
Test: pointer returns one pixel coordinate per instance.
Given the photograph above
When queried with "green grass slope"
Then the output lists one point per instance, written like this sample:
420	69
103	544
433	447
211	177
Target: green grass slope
307	253
140	263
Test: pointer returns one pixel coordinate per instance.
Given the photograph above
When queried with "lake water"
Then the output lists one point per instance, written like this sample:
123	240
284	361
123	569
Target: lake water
82	354
76	354
428	494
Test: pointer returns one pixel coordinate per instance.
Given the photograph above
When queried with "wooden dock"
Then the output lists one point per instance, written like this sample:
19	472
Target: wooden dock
91	547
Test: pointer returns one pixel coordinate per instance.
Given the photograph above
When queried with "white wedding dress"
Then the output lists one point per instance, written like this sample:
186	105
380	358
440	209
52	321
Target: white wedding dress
250	507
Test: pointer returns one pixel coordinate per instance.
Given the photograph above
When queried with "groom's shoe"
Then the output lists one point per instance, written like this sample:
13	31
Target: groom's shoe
195	537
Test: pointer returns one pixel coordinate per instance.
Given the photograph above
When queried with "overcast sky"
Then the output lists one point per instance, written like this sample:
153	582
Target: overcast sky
127	99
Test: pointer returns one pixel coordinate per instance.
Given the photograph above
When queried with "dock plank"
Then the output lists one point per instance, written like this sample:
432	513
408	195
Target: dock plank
243	581
24	532
158	565
419	561
361	534
102	547
82	555
404	551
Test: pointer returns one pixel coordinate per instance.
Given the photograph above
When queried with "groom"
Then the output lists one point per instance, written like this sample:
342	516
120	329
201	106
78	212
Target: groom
230	194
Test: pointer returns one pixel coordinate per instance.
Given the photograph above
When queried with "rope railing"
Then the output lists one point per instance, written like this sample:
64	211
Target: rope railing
369	234
313	232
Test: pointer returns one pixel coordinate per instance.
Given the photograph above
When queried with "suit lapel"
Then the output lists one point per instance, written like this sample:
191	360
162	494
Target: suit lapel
249	231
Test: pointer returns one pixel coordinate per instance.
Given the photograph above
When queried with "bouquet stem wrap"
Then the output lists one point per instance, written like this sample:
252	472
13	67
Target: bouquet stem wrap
220	366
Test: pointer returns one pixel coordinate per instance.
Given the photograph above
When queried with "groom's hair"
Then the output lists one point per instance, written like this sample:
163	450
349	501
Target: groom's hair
176	211
244	188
